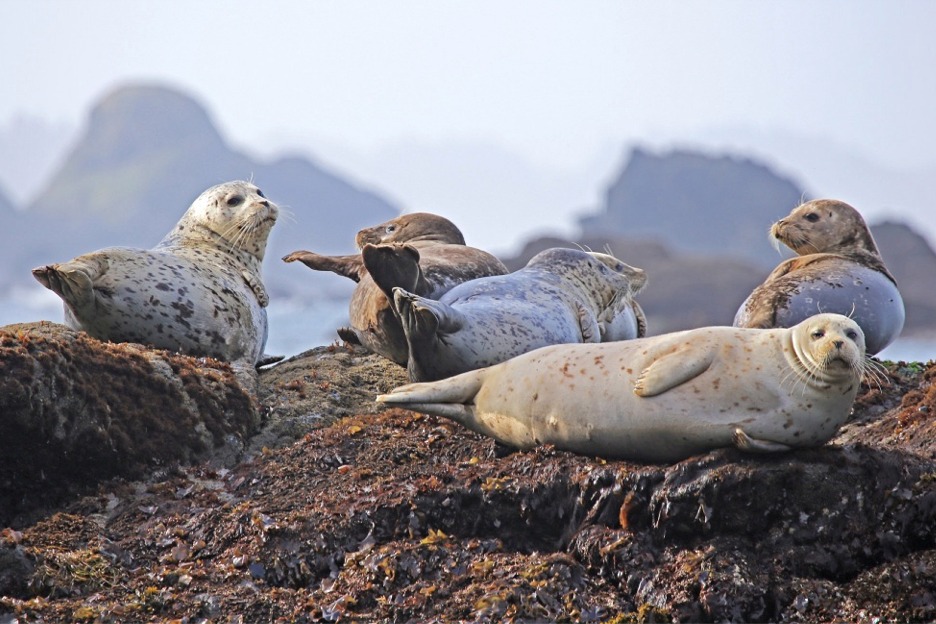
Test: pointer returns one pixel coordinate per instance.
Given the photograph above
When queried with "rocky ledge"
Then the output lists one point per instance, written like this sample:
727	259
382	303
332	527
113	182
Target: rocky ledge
327	508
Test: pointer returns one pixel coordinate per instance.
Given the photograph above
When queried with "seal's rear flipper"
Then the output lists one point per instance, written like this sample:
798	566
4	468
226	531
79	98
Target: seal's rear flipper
425	318
69	281
394	266
349	335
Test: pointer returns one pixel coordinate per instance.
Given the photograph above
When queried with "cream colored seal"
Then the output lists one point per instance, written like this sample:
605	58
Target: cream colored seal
199	291
420	252
663	398
838	269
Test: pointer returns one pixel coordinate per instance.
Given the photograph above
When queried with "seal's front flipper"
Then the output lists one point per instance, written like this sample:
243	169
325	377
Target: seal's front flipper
752	445
394	266
254	283
351	267
588	324
675	368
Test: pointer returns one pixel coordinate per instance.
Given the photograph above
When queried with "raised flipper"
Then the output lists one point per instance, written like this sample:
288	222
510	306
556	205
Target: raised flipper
395	266
752	445
675	368
641	319
425	318
72	281
351	267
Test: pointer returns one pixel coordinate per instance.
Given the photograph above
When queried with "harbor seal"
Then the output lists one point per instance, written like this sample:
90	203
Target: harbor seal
663	398
838	269
560	296
421	252
199	291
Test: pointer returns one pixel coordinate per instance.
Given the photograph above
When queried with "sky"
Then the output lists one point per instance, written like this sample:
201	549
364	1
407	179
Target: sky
517	112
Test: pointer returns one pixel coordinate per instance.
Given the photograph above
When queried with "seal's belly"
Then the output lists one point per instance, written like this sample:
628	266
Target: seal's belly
171	303
862	294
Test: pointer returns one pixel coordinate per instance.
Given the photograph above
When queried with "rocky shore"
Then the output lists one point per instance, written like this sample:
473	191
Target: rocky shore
138	485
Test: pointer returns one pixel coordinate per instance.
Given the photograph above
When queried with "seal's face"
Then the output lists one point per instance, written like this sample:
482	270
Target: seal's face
238	213
636	278
409	228
830	347
822	226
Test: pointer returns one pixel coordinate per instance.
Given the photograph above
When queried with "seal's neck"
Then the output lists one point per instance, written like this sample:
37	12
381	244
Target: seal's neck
187	235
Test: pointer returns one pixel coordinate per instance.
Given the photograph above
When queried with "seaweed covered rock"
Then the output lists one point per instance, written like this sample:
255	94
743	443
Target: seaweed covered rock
75	410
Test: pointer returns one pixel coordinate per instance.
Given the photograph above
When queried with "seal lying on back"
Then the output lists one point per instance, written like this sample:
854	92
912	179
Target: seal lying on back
560	296
838	269
420	252
198	291
663	398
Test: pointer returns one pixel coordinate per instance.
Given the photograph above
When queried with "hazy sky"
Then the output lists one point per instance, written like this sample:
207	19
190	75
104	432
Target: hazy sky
552	82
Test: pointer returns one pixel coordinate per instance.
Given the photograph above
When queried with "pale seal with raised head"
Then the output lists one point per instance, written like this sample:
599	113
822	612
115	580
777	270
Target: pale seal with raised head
838	269
560	296
663	398
421	252
199	291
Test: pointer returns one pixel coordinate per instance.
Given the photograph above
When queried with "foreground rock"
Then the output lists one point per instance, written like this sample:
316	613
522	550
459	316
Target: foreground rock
74	411
396	516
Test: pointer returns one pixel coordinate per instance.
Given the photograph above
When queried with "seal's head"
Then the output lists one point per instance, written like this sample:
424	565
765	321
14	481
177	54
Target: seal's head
636	278
234	214
829	349
823	226
412	228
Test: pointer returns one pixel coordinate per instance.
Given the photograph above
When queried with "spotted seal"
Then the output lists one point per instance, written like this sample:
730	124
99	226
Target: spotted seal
421	252
561	295
199	291
663	398
838	269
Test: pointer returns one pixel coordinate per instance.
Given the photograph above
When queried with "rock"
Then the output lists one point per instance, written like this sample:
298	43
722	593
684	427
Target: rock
75	411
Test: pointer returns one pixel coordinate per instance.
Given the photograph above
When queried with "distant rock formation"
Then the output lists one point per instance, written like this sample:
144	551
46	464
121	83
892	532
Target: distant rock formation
148	151
913	263
697	203
686	290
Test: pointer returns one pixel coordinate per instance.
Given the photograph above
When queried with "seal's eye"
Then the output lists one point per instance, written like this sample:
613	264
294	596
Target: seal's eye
235	200
812	217
391	229
819	333
852	334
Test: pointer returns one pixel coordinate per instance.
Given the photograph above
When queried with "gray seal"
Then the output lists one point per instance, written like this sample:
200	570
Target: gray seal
838	269
663	398
199	291
420	252
560	296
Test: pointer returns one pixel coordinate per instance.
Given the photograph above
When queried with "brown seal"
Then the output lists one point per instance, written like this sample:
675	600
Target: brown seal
838	269
420	252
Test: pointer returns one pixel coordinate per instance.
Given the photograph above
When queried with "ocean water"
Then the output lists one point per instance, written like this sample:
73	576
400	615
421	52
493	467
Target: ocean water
296	326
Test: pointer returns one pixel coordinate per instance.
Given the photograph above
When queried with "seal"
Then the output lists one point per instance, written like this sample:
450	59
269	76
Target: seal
560	296
421	252
199	291
663	398
838	269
